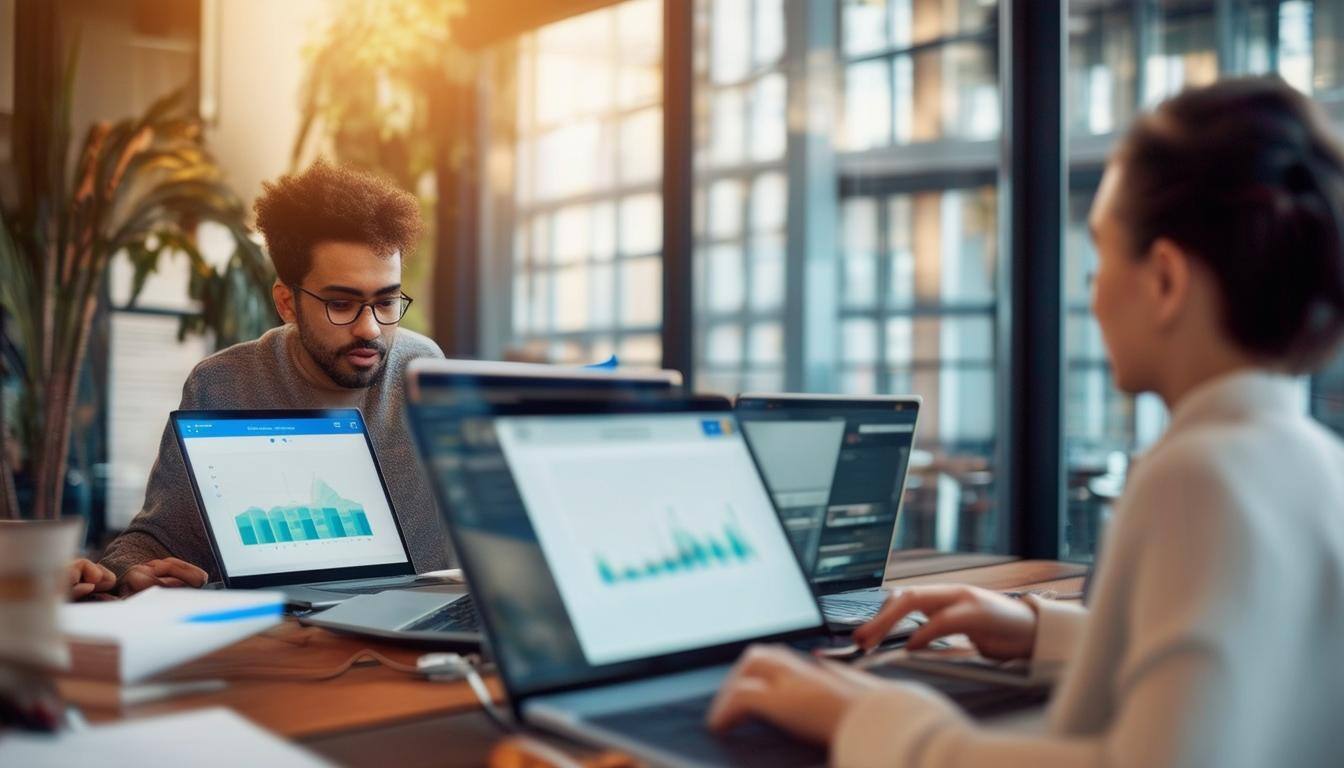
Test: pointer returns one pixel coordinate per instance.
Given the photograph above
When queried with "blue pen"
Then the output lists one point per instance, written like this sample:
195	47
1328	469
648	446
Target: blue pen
270	609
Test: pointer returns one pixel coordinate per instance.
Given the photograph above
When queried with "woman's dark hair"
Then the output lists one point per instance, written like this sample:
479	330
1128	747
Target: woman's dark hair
1246	176
333	203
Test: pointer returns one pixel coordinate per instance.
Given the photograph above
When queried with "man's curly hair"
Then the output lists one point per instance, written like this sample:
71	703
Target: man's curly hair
328	203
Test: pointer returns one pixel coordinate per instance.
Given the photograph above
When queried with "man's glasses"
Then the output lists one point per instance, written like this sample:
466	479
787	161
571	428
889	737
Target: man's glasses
387	311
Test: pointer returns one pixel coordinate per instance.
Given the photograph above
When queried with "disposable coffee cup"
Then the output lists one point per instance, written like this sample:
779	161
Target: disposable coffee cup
35	559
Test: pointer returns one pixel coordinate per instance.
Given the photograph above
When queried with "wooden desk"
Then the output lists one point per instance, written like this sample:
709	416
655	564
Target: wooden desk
375	716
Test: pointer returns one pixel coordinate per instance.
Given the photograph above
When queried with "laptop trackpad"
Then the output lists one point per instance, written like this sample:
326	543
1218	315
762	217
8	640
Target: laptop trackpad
388	610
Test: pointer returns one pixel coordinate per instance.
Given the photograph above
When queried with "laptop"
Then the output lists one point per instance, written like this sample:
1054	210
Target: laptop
422	616
294	501
622	554
836	468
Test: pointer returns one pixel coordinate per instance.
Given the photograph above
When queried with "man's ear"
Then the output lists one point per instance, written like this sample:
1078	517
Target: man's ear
1170	276
284	302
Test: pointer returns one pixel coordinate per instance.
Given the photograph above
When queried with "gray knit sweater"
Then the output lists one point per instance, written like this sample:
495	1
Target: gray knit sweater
264	374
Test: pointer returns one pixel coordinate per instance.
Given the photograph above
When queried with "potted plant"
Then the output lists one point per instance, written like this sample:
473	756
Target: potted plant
139	186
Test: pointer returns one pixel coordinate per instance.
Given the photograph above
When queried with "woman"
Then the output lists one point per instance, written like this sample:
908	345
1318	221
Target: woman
1215	635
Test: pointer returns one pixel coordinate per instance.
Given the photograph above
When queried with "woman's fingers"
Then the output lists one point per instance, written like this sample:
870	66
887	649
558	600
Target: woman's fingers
956	619
740	698
930	600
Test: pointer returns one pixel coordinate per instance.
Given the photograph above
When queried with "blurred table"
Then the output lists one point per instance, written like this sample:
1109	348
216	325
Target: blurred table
374	716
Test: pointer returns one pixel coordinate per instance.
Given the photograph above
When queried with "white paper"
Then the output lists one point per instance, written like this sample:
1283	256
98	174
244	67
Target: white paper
208	738
152	630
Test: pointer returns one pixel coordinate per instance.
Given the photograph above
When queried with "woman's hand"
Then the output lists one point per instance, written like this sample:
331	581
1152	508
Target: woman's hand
166	572
1000	627
87	577
788	690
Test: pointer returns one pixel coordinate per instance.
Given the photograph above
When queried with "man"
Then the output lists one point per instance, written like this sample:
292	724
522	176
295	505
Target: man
336	238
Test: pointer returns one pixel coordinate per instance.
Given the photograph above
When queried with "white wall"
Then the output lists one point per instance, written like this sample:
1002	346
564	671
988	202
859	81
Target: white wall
260	73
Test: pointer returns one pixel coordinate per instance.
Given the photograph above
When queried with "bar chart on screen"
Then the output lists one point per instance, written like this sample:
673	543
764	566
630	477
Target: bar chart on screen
681	552
309	500
326	516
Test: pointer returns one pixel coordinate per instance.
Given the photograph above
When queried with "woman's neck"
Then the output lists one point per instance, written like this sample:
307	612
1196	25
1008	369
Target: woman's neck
1192	371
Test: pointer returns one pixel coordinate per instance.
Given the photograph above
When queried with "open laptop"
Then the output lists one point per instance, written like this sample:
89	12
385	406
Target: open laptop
622	554
448	386
294	500
836	467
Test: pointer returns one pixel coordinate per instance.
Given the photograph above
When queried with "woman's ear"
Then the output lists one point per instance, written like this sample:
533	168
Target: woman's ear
1169	280
284	302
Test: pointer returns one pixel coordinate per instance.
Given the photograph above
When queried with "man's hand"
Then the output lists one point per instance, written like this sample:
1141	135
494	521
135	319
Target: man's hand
87	577
999	627
167	572
785	688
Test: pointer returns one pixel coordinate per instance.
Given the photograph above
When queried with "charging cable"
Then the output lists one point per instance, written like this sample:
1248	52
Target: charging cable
455	666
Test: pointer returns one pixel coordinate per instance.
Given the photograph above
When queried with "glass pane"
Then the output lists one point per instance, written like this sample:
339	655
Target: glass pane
769	202
902	296
865	26
641	292
1102	72
640	351
766	344
767	118
639	40
868	105
729	58
573	234
724	345
641	224
858	341
769	32
1110	79
583	222
641	157
725	209
767	273
571	290
728	129
725	279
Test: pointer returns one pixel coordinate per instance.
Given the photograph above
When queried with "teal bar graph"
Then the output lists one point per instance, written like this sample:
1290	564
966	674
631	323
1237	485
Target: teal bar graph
327	516
687	552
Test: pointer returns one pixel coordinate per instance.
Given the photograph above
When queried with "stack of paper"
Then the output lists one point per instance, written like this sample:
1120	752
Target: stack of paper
125	642
201	739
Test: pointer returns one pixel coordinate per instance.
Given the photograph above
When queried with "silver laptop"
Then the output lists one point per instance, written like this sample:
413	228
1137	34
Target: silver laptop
622	554
836	466
294	500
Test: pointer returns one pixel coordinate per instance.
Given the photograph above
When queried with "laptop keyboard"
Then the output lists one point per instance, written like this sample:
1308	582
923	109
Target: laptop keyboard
457	616
852	613
844	610
679	728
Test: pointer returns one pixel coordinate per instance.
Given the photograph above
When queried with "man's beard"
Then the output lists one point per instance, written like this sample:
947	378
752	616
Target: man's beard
329	360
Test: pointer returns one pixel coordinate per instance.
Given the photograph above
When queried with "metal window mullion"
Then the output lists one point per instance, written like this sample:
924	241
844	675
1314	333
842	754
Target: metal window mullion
882	300
810	242
1032	194
678	188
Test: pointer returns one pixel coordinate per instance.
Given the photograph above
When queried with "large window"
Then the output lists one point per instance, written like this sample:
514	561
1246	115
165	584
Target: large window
580	216
741	196
846	212
846	224
1127	56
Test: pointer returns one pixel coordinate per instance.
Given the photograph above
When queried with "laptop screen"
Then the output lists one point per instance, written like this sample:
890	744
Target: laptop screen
596	542
836	468
286	495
